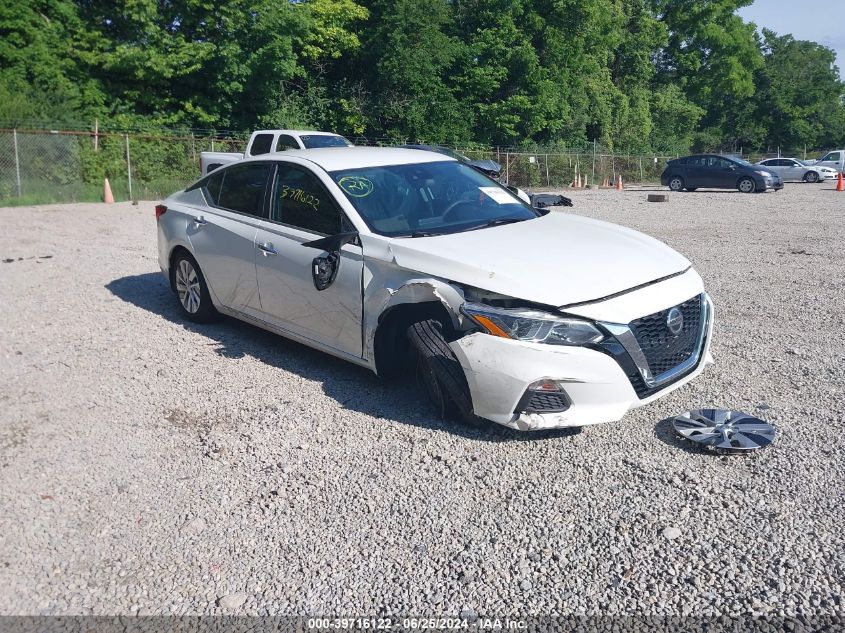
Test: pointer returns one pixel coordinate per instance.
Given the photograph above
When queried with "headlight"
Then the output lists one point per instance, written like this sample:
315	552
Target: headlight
532	325
763	173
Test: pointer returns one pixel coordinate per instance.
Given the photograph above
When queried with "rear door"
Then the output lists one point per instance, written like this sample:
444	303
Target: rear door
302	210
222	236
775	165
696	172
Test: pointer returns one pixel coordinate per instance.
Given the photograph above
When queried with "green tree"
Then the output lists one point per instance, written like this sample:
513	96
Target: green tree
193	61
44	71
712	55
799	93
408	59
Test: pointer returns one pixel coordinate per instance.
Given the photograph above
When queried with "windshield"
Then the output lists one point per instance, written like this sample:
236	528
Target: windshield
451	153
324	140
741	161
424	199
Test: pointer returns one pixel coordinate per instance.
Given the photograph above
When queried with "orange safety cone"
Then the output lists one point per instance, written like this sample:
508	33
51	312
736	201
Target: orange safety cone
108	197
840	183
619	183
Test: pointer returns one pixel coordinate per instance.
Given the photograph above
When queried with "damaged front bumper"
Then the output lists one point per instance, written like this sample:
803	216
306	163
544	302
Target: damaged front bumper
501	371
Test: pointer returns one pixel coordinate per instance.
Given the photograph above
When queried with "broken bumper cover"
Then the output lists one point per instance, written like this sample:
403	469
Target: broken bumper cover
499	371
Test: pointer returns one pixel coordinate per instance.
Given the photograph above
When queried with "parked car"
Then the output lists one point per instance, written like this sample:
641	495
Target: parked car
486	166
405	260
795	170
833	160
717	172
489	168
266	141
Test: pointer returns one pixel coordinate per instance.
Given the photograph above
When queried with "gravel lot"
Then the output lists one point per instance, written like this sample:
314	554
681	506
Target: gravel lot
148	465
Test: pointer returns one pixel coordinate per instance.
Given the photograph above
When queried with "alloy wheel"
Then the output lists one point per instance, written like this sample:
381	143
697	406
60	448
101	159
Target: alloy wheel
746	185
188	286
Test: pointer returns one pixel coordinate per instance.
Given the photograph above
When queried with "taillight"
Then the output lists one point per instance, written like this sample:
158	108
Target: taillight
160	211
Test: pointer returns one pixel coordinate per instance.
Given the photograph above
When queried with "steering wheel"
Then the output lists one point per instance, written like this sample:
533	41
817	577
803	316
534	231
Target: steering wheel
451	210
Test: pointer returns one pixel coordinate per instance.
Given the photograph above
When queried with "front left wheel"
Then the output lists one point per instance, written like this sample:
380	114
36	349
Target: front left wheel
676	183
441	374
192	290
811	177
746	185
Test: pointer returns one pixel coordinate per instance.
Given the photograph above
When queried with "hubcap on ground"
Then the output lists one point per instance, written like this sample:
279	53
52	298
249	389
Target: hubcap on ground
188	286
723	430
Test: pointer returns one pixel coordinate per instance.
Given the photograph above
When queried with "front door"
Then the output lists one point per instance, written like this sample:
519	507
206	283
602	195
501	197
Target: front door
792	170
833	160
723	172
223	235
302	210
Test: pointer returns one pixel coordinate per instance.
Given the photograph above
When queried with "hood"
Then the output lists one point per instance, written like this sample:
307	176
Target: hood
486	165
556	259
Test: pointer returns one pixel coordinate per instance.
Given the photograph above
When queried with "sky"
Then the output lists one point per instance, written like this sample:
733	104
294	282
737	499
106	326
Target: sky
822	22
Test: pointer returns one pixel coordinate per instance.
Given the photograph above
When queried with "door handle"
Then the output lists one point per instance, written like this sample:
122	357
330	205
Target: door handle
267	249
200	221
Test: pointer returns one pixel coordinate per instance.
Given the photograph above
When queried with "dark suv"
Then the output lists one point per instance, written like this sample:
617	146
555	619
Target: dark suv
718	172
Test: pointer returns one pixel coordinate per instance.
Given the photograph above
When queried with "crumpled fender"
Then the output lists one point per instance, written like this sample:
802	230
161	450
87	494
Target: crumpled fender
386	285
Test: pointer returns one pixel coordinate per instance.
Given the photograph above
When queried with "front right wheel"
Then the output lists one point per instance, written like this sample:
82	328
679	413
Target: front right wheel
811	177
746	185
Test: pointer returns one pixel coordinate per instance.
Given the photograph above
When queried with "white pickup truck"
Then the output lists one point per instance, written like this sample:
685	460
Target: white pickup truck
834	160
266	141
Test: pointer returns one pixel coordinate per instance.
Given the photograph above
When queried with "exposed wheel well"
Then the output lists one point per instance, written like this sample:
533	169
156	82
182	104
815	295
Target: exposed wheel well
392	351
176	251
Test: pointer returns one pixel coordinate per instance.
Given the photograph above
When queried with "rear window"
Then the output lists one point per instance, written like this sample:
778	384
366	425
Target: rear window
261	144
324	140
243	188
286	142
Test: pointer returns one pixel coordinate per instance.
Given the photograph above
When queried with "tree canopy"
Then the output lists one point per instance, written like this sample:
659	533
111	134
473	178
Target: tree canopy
634	75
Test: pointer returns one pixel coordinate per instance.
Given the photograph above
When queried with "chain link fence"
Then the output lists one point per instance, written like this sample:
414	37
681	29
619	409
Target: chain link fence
38	166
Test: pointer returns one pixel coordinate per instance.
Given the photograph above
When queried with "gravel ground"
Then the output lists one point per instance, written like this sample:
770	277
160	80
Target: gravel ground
148	465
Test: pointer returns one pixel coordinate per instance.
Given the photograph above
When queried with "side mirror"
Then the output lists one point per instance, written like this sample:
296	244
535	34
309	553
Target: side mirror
332	242
324	269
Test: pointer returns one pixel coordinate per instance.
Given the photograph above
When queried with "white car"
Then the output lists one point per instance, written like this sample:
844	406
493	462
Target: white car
797	171
399	259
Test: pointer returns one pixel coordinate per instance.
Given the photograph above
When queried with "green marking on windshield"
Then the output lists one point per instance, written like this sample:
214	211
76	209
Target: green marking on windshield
356	186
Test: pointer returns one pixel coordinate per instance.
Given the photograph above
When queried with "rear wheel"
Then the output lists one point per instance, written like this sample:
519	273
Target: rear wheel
746	185
192	290
811	176
676	183
440	373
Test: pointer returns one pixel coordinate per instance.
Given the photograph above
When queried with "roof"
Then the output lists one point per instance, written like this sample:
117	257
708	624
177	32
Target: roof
336	158
312	132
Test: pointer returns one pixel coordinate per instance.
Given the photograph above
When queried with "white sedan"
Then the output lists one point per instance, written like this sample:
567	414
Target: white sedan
406	261
792	169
